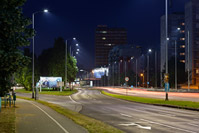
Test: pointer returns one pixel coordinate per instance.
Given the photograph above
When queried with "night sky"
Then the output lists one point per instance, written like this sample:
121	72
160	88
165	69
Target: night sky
79	18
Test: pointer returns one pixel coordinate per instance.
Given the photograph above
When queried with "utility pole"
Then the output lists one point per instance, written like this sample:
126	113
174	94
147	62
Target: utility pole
147	71
166	39
176	84
188	63
66	66
136	72
156	82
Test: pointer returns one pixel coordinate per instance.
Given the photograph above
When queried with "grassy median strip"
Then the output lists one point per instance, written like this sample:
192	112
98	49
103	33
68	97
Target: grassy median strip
7	120
179	104
92	125
50	92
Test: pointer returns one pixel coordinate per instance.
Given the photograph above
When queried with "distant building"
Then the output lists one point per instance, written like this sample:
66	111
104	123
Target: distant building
176	34
105	39
122	59
192	26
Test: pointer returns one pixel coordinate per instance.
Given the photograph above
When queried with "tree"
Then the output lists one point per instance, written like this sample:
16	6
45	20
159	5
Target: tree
24	75
71	68
14	34
52	62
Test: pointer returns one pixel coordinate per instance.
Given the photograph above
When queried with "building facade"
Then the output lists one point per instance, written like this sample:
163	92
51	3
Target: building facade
192	40
176	39
105	39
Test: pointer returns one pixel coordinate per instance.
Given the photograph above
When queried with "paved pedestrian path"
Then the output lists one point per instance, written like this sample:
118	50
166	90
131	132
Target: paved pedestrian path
33	117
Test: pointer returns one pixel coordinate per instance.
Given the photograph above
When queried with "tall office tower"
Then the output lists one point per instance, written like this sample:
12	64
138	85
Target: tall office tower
176	35
192	42
105	39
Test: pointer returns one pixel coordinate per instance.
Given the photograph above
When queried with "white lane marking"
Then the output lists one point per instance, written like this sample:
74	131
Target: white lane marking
193	124
51	118
125	115
184	130
72	100
134	124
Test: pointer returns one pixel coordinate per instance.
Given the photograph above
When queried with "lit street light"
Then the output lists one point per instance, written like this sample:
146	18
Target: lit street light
33	52
142	75
149	51
66	62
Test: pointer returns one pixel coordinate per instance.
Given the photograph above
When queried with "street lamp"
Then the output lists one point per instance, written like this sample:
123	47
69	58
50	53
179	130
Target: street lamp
66	62
166	40
142	75
176	70
135	70
33	52
114	71
119	71
149	51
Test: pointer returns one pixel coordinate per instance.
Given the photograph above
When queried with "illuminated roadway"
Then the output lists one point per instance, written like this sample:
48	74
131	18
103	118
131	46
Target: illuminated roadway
185	96
128	116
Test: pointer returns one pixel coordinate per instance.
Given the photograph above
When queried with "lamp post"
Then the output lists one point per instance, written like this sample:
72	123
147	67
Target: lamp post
33	52
119	72
188	63
156	77
149	51
176	69
136	67
113	72
135	70
66	62
166	40
142	75
108	73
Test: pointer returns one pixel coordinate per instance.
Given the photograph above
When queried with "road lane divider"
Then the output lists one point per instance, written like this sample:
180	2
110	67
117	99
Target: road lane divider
134	124
193	124
125	115
73	100
168	126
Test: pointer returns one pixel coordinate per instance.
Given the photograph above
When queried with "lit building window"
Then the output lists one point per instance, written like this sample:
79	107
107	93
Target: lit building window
182	39
182	46
108	44
182	23
104	32
197	71
103	38
183	61
182	31
182	53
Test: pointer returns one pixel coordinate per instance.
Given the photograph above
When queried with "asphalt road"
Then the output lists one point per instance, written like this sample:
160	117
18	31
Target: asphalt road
185	96
128	116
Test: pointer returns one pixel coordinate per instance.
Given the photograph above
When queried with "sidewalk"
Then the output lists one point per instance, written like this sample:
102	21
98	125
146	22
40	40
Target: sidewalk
33	117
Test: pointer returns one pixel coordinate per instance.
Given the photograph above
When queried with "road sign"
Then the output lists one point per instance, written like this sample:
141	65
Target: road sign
166	78
126	79
60	84
167	87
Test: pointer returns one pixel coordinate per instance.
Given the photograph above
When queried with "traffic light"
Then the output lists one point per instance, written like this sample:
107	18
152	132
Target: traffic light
166	78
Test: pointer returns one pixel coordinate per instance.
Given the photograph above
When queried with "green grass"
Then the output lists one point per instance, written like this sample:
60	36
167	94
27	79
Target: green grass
179	104
50	92
7	120
92	125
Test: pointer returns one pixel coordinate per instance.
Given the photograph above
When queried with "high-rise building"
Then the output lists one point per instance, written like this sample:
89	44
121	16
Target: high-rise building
105	39
176	37
192	42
